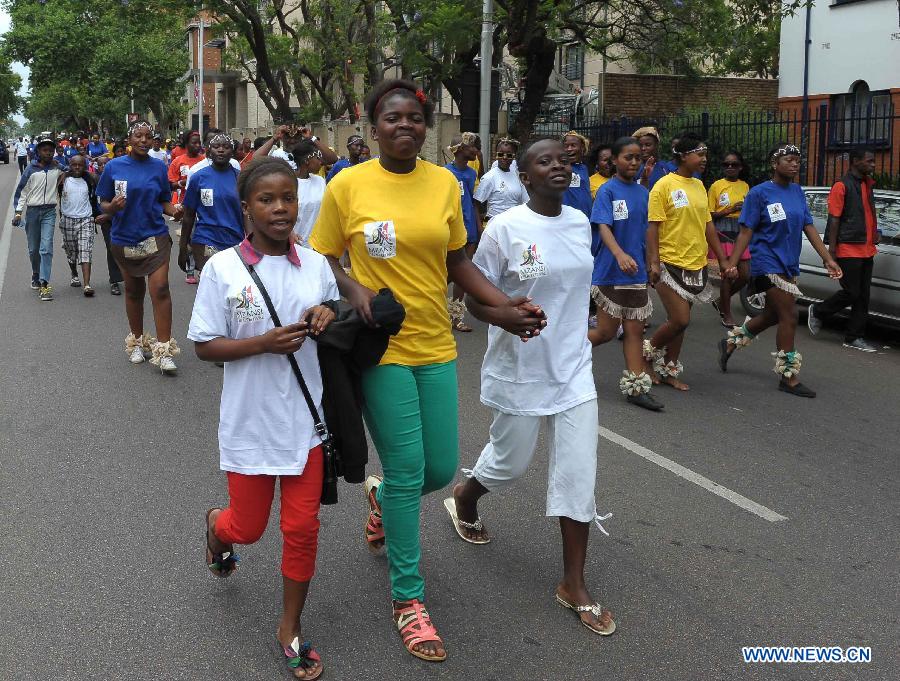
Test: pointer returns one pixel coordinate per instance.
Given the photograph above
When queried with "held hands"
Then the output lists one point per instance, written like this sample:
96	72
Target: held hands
17	220
834	270
520	317
626	263
177	212
183	259
727	270
653	273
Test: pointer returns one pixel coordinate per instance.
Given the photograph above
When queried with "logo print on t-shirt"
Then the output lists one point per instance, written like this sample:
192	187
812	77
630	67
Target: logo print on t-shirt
620	210
121	188
381	239
576	180
246	308
680	198
776	212
462	188
532	265
206	197
724	200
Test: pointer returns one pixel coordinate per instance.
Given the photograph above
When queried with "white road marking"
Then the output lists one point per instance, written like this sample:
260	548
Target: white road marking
689	475
5	241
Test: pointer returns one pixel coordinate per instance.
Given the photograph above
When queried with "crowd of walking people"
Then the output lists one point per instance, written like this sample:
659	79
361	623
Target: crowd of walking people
345	266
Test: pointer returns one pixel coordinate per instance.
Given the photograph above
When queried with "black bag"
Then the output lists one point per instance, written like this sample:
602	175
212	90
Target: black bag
330	456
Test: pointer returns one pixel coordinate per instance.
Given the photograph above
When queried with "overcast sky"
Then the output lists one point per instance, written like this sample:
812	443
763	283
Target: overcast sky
17	67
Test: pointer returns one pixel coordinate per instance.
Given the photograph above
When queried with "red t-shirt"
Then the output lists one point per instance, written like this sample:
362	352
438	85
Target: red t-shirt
178	170
836	209
177	151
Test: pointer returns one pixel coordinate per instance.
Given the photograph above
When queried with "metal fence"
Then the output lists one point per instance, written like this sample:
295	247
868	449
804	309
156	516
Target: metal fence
824	136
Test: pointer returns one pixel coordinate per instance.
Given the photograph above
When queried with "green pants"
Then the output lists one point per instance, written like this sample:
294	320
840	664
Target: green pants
412	416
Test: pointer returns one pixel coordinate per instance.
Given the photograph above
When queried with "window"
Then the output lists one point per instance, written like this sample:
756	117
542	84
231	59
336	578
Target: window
818	207
573	62
887	210
861	117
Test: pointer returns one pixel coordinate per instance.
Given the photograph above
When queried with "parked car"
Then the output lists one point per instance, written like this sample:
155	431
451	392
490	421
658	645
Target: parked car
4	152
884	302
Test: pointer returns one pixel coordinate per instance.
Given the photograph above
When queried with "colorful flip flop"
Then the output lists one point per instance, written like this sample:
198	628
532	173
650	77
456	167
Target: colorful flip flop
302	657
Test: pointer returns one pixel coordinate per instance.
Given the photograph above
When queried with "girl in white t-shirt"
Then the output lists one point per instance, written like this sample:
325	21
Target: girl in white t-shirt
500	188
310	187
266	431
541	250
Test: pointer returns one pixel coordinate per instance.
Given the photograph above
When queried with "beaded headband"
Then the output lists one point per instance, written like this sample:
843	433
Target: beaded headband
786	150
220	137
139	125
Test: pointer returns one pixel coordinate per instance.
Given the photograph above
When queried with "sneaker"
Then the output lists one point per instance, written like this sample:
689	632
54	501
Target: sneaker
114	289
136	356
163	354
813	323
46	292
190	279
860	344
167	366
75	282
35	282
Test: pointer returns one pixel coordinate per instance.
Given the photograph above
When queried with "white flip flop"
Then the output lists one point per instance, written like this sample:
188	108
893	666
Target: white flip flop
458	525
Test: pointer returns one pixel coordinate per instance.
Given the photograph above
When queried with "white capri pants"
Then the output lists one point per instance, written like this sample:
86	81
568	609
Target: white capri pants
573	457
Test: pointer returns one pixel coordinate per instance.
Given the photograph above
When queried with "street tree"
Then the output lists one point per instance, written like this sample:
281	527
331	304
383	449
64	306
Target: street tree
88	58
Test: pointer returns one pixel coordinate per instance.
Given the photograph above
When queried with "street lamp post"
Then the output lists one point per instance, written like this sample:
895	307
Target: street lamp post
487	59
200	46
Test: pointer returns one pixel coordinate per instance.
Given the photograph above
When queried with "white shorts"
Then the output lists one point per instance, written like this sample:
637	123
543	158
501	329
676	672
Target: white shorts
572	472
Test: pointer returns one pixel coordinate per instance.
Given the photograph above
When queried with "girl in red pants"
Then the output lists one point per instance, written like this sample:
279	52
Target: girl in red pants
266	431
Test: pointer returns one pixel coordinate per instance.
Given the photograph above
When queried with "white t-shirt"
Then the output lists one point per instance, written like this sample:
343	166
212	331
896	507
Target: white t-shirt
500	191
205	163
21	149
265	427
75	201
282	154
309	198
158	153
549	259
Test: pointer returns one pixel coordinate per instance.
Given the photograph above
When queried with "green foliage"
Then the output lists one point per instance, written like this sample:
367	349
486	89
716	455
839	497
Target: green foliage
89	57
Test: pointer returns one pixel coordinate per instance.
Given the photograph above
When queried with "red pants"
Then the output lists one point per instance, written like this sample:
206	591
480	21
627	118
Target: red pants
247	515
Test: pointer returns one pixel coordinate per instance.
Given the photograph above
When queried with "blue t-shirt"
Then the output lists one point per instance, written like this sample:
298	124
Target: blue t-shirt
97	149
212	193
777	216
146	187
622	206
63	160
70	151
466	180
578	195
32	149
338	166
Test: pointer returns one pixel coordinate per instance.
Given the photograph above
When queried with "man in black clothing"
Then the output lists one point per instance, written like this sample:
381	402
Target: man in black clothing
852	235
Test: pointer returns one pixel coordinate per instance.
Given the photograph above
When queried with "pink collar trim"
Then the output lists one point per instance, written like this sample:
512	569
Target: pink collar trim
252	256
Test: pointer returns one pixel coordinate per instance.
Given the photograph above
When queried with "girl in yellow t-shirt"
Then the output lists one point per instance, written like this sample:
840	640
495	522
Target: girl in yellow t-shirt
603	169
680	232
401	219
726	198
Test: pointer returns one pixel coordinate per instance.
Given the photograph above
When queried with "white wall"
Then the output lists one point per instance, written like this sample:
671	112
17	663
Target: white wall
857	41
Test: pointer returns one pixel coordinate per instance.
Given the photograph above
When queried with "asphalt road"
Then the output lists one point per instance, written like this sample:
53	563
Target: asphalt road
106	470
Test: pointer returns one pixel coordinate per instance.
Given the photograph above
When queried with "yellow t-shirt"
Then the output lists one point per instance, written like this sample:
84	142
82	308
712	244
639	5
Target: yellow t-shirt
679	204
475	164
597	181
398	229
727	193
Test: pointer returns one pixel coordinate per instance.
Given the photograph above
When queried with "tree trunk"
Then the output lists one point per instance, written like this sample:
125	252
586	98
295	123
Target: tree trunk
540	58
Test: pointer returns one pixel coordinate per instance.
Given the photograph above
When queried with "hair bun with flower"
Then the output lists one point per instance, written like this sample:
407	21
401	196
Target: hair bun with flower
421	96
